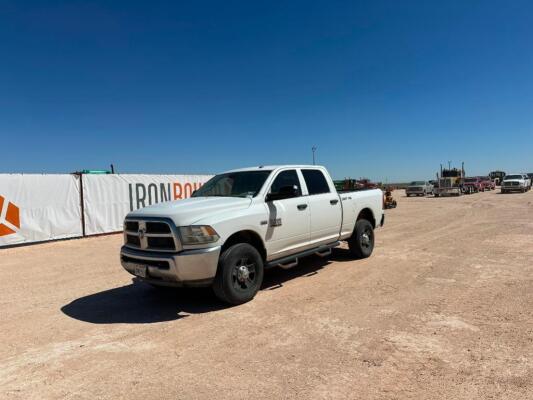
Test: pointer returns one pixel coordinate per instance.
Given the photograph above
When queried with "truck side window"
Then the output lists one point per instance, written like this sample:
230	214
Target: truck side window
315	181
286	178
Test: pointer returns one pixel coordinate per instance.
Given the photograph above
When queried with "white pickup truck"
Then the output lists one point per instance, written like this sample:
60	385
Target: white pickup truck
244	221
516	182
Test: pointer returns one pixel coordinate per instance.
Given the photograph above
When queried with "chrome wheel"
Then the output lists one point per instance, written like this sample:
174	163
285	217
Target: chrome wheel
243	274
366	238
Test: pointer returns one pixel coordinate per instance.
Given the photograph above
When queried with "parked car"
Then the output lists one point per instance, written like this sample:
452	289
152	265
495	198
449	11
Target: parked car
244	221
488	184
419	188
473	184
515	182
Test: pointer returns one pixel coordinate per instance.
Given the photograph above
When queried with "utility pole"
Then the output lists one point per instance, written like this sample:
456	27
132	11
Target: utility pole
313	149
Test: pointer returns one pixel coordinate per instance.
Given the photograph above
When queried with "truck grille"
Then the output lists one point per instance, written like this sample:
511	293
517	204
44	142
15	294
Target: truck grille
161	243
150	235
133	240
157	227
132	226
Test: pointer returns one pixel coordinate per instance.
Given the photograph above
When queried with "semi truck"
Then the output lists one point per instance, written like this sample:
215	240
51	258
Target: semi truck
450	182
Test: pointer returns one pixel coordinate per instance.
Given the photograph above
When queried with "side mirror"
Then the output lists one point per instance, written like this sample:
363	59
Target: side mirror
285	192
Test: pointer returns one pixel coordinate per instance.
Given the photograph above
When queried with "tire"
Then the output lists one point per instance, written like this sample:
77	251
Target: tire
436	194
239	274
361	243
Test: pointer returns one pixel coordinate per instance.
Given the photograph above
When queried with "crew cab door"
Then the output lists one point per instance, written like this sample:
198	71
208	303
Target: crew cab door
326	209
288	216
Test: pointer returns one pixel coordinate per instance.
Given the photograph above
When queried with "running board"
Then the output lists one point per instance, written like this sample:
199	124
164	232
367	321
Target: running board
324	253
289	265
292	260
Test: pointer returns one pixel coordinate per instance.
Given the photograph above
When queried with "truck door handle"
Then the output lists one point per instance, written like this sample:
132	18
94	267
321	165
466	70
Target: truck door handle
302	206
333	202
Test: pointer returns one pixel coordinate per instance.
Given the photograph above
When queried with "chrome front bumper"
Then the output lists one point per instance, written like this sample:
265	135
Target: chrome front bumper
514	188
448	190
186	268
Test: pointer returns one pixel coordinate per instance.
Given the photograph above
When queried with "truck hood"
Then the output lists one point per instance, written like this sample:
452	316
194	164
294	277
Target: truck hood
187	212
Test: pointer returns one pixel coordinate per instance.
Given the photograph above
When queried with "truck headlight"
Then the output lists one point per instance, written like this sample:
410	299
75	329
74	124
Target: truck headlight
198	234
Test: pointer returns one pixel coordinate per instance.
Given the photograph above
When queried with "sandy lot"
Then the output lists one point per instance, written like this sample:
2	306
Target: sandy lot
442	310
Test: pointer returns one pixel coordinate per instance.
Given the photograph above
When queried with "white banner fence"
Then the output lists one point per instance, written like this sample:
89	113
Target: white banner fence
108	198
36	208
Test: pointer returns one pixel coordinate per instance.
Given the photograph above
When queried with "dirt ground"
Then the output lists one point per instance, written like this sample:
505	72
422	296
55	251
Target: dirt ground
442	310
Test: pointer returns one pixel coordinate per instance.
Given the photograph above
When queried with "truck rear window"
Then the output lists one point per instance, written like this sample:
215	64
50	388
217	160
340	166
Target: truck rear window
315	181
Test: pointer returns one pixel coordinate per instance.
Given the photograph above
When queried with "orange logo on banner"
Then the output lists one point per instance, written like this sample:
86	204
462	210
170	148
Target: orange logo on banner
11	218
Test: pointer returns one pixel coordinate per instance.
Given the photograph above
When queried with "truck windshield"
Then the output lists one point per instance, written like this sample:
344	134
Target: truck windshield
469	180
451	173
417	183
514	177
234	184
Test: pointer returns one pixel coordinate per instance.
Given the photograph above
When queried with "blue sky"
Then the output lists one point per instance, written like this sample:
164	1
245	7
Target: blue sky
387	90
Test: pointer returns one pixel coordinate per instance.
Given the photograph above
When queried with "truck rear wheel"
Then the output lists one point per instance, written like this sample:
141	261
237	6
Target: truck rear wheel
239	275
361	243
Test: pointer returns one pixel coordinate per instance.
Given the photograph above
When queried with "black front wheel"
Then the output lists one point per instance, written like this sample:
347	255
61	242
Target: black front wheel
239	275
361	243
